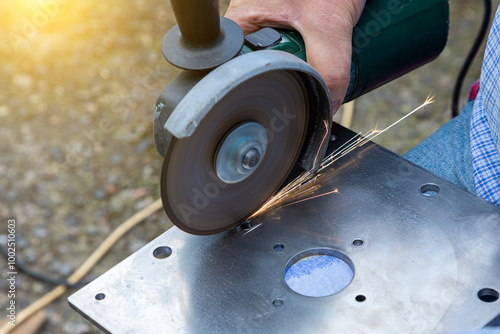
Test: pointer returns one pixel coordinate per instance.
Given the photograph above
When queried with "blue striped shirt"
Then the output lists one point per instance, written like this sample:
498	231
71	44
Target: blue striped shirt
485	123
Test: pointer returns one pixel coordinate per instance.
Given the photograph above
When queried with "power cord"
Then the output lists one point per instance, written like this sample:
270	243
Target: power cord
22	267
470	57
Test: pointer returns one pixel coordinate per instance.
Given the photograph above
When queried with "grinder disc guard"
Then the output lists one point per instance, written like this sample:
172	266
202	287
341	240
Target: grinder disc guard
239	154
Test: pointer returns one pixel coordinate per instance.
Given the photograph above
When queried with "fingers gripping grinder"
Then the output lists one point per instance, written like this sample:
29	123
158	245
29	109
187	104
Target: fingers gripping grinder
246	110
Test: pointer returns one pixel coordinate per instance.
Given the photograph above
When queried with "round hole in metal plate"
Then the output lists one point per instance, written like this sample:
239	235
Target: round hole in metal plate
488	295
277	302
318	272
429	189
279	247
162	252
358	242
100	296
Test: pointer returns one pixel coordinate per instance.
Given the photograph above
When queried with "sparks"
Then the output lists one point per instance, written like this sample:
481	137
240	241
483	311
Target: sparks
305	182
336	191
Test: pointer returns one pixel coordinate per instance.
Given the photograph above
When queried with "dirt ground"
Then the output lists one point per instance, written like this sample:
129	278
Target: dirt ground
79	80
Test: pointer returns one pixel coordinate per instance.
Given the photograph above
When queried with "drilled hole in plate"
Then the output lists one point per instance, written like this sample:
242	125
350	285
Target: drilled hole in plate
360	298
162	252
488	295
318	272
245	226
279	247
100	296
358	242
429	190
277	302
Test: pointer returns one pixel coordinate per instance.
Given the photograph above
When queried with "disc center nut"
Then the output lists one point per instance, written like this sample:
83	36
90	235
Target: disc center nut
250	159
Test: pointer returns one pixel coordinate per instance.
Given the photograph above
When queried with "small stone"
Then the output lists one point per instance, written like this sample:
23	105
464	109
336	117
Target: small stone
85	120
135	245
12	195
71	220
38	287
4	111
40	232
79	202
140	193
58	154
100	194
44	202
76	328
116	159
91	107
30	177
59	90
21	242
54	316
22	81
31	255
147	170
65	269
64	249
92	230
143	145
111	189
41	187
54	266
113	179
104	73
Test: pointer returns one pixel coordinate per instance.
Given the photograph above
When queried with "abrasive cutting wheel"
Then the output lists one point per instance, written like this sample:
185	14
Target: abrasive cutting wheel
238	156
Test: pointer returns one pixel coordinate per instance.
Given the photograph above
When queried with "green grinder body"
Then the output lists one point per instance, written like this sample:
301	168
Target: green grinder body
390	39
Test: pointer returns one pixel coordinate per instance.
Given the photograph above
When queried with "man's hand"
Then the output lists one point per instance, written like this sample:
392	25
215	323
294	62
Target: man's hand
325	25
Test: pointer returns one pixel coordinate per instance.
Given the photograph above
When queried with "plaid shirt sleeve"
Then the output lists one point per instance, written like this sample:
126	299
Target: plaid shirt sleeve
485	123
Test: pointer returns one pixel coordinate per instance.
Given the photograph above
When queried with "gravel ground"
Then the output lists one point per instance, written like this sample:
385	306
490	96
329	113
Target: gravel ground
76	103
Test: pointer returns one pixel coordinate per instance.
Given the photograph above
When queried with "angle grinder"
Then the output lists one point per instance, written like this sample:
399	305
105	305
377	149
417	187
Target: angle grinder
247	110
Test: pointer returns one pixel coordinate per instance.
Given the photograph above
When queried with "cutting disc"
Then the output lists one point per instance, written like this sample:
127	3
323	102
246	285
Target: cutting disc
238	156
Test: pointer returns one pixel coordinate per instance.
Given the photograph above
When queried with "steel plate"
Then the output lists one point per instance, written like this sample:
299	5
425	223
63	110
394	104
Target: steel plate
420	266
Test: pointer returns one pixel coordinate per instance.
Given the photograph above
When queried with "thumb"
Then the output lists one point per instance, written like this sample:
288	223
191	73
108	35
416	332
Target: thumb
240	13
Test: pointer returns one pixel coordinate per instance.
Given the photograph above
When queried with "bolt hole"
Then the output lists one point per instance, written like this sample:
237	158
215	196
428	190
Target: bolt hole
358	242
488	295
100	296
246	226
429	190
277	302
279	247
162	252
360	298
